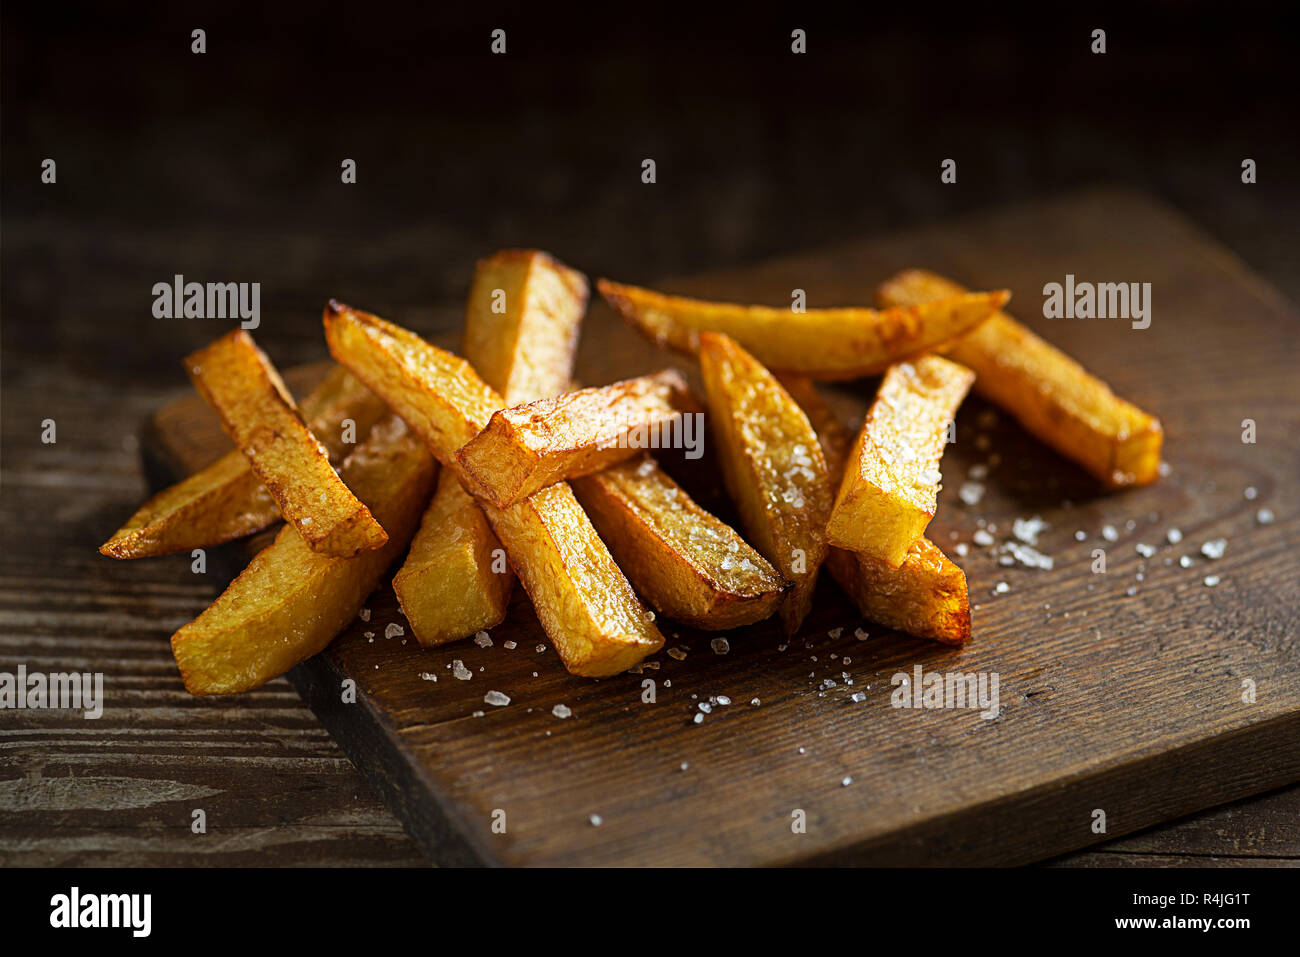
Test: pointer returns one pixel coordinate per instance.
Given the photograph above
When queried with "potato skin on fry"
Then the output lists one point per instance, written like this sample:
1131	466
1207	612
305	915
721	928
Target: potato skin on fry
926	595
687	564
227	500
772	465
1052	396
530	446
235	377
888	493
825	344
582	599
290	601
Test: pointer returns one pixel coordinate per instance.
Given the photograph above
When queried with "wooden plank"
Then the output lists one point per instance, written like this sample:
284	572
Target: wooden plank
1126	702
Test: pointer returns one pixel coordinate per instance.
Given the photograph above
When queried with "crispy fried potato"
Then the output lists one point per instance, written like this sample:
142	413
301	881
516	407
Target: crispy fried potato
290	601
821	343
925	596
227	500
772	465
1052	396
891	480
537	444
257	412
582	599
525	352
447	586
450	586
685	562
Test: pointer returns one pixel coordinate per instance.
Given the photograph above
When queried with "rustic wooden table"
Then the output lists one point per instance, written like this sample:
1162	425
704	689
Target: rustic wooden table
233	175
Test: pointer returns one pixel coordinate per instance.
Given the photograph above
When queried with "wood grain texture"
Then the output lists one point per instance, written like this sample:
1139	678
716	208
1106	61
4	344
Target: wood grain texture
1126	702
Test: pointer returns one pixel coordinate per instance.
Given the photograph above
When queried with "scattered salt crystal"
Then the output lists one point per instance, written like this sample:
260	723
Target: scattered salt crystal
982	538
928	477
961	548
509	645
685	765
427	676
1211	580
755	702
723	700
477	714
540	648
483	640
834	633
1185	561
370	636
1264	516
1080	535
561	711
1131	591
1006	560
1214	548
1030	557
978	471
1108	532
393	630
1146	551
699	719
496	698
720	646
596	820
858	697
970	493
365	614
1027	530
460	671
1173	536
860	634
706	707
1250	493
677	654
1001	588
846	782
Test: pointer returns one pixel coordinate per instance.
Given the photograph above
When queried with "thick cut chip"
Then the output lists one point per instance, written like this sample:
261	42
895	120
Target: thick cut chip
772	465
290	601
448	587
685	562
521	334
257	412
521	323
531	446
582	599
926	596
227	500
1052	396
891	481
821	343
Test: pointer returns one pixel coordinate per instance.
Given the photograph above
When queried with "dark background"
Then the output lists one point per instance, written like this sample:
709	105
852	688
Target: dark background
225	167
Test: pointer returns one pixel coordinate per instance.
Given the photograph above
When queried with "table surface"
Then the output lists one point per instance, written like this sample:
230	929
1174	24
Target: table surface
229	172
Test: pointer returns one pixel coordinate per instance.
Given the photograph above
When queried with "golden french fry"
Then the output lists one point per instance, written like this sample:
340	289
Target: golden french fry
227	500
235	377
582	599
685	562
1052	396
821	343
891	481
539	443
447	587
772	465
521	333
290	601
924	596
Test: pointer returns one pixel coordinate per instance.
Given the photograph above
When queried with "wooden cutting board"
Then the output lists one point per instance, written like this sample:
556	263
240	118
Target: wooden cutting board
1119	692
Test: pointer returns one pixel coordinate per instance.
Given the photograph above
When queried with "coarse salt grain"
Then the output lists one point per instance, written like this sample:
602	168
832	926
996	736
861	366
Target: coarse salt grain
496	699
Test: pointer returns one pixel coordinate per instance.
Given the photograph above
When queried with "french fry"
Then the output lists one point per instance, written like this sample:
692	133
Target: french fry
528	447
290	601
926	595
227	500
1052	396
685	562
821	343
888	493
772	465
582	599
257	412
521	333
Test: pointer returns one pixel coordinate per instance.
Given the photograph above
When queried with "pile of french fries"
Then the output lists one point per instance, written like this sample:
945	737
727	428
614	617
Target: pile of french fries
542	481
